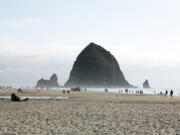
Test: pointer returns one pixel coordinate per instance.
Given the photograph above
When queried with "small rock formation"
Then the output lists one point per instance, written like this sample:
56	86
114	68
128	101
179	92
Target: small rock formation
96	67
146	84
52	83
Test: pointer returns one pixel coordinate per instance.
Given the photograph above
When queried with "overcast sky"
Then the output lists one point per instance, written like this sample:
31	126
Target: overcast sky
42	37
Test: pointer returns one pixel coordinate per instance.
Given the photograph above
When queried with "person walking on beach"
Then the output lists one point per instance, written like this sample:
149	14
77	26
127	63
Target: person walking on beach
171	93
166	93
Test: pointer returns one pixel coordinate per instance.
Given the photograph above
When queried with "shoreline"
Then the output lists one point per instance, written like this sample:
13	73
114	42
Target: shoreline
92	96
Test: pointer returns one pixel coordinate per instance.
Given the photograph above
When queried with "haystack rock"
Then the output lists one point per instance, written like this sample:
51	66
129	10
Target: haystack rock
96	67
146	84
51	83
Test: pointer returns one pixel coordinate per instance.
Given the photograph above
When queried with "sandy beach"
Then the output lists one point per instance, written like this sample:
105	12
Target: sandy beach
89	113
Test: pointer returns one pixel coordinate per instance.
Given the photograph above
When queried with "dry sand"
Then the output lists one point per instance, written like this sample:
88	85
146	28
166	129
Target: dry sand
90	113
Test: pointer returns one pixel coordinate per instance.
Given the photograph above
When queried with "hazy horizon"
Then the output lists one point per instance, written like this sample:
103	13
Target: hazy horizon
39	38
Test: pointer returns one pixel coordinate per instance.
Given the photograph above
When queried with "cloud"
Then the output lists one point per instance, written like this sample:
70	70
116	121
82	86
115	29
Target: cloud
20	23
151	53
39	52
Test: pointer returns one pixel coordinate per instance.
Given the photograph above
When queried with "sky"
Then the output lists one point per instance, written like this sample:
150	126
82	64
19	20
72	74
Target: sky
42	37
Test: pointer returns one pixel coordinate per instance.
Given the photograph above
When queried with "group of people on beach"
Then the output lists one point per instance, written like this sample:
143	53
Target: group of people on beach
141	92
6	87
171	93
68	91
16	98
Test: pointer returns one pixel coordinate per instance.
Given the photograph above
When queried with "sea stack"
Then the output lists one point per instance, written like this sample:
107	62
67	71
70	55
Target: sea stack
96	67
51	83
146	84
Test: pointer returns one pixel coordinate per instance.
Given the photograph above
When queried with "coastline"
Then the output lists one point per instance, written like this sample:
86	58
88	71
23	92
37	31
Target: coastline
92	96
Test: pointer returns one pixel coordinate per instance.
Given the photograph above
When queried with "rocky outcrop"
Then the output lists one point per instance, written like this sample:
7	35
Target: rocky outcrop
146	84
52	83
96	67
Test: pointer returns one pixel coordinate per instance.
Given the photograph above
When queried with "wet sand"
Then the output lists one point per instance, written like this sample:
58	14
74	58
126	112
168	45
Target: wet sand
90	113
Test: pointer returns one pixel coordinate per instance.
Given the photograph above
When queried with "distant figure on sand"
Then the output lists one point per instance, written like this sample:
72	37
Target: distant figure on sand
64	91
141	92
106	90
68	92
19	90
166	93
171	93
126	90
